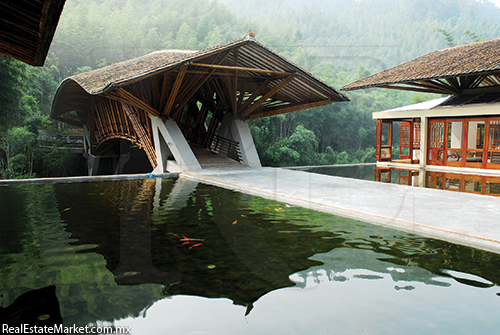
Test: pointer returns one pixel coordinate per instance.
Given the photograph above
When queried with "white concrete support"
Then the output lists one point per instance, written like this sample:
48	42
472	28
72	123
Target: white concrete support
423	148
169	140
93	164
238	131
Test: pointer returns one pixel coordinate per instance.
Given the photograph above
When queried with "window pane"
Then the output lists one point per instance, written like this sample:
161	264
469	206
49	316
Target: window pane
494	134
452	184
385	134
437	134
455	134
475	135
473	186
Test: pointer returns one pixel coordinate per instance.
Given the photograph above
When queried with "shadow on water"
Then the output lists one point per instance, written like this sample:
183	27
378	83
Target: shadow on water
114	248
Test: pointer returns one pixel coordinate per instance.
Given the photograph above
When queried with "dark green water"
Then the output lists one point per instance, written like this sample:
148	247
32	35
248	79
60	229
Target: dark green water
178	257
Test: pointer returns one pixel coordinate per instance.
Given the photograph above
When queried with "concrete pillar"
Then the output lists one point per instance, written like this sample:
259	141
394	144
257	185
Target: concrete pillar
121	163
424	150
238	131
169	140
93	164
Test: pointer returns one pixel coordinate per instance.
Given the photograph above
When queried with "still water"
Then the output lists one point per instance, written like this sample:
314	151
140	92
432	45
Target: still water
178	257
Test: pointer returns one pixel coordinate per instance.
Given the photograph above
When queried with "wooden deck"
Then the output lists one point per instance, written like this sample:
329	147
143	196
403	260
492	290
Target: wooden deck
211	160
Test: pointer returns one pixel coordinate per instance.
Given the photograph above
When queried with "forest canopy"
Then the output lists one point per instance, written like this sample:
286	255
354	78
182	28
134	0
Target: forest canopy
338	41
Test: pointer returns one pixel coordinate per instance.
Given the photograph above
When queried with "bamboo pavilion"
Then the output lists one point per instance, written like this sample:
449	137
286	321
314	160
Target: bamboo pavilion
173	104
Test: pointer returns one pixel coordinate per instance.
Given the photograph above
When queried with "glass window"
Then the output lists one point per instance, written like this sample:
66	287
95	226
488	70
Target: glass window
455	130
472	186
436	134
492	188
494	134
453	184
475	135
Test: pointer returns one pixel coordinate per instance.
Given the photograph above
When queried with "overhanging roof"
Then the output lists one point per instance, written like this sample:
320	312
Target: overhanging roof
251	80
447	71
27	28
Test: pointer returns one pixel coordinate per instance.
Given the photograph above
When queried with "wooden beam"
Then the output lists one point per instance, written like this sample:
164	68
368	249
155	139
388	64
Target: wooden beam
235	84
435	84
164	90
413	89
289	109
190	91
238	68
175	90
256	104
121	95
454	83
141	134
254	95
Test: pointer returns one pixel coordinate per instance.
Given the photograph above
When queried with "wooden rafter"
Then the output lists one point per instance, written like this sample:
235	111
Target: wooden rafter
175	90
453	82
122	95
238	68
413	89
189	91
434	84
478	80
141	134
289	108
254	95
256	104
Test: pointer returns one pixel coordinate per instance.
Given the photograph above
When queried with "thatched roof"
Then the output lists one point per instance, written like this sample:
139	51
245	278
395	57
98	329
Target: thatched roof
446	71
256	69
252	55
27	28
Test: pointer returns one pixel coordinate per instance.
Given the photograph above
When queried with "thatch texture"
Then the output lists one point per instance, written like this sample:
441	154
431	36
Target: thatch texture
446	71
27	28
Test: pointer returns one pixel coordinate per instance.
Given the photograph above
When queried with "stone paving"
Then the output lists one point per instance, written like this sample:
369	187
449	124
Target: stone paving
469	219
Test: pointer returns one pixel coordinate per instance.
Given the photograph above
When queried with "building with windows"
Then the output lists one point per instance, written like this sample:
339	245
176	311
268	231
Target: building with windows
456	133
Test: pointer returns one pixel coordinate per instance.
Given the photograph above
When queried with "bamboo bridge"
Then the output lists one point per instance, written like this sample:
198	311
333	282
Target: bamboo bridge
174	103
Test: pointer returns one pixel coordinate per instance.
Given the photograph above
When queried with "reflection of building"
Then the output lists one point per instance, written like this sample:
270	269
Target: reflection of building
459	132
469	183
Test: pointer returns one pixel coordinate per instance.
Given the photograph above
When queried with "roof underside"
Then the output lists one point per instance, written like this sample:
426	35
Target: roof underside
247	79
448	71
27	28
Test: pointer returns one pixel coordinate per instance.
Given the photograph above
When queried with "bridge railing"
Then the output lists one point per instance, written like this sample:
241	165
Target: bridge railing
71	142
225	146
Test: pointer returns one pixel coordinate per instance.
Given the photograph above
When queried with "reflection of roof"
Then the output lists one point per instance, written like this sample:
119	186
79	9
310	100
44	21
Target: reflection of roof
27	28
447	71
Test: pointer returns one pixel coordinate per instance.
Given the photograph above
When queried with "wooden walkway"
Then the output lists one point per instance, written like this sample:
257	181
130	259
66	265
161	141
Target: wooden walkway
211	160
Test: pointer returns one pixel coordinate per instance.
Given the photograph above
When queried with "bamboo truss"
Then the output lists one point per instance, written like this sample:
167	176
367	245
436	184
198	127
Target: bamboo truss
242	78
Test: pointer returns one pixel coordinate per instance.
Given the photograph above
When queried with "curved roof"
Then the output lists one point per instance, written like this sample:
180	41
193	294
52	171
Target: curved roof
27	28
446	71
259	72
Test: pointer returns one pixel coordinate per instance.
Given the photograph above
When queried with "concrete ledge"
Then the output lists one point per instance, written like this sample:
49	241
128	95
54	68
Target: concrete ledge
466	219
4	182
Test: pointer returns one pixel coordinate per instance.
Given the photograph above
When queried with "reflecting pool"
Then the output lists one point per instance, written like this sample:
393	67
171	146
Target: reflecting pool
180	257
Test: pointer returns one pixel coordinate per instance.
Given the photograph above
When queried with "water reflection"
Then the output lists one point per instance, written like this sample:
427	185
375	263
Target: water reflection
114	249
450	181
